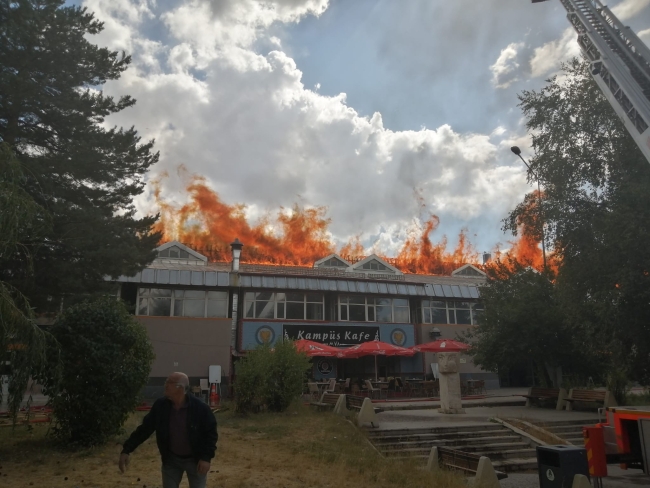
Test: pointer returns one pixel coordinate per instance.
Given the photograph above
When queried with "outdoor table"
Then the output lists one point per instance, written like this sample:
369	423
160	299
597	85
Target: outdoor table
322	385
470	385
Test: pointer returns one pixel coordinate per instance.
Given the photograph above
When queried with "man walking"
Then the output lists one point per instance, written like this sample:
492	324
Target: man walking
186	434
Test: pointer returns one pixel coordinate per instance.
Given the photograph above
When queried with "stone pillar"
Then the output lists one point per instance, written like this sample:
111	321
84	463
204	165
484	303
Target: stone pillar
450	401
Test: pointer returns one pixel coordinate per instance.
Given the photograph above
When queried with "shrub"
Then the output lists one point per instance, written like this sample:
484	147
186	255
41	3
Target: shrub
106	359
270	378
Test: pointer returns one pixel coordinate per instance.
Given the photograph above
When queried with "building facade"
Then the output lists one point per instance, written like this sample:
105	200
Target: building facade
199	314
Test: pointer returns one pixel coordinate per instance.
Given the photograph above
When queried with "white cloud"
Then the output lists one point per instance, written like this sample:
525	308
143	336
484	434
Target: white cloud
505	68
644	35
547	58
245	121
627	9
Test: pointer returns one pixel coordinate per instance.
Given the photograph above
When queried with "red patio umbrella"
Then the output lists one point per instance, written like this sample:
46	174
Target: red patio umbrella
375	348
441	345
312	348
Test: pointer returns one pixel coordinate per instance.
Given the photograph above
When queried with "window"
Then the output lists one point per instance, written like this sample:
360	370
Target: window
290	305
154	301
450	312
334	263
376	266
163	302
373	309
174	252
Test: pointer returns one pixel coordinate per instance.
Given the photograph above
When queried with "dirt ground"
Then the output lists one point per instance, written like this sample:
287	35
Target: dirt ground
298	448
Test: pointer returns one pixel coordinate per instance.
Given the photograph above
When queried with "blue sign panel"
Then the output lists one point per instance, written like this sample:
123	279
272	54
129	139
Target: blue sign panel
338	334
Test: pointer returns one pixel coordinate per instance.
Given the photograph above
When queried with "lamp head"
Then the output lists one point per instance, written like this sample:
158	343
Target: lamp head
516	150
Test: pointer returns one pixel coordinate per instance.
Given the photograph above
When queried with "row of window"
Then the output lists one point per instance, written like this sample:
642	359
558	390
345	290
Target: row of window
373	309
182	303
291	305
301	306
451	312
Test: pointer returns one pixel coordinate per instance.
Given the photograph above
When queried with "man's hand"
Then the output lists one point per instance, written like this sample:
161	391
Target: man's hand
203	467
124	462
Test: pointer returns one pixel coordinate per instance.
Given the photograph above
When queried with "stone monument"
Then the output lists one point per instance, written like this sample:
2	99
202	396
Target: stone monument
450	401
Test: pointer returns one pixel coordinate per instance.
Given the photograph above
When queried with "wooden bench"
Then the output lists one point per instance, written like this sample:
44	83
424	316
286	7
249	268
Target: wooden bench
327	400
537	393
590	396
356	402
462	461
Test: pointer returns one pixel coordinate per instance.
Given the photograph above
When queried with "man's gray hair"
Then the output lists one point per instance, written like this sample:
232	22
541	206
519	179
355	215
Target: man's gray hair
184	381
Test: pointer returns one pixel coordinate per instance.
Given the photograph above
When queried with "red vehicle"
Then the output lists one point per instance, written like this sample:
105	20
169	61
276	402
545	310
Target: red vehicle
624	438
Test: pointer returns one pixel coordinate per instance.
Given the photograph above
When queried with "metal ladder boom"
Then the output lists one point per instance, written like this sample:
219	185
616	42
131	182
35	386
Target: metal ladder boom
620	64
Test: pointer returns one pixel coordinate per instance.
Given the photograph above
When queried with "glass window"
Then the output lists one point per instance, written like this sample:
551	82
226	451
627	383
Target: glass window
289	305
357	313
384	314
264	310
401	314
315	311
143	306
218	308
194	308
439	316
295	310
160	307
463	317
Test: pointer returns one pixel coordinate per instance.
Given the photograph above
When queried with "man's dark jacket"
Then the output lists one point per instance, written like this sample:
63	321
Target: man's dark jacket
201	425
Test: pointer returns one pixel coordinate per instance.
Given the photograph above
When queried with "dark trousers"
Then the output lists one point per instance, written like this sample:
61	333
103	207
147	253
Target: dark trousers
173	469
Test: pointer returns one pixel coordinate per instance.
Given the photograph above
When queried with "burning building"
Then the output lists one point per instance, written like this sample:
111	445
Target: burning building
200	313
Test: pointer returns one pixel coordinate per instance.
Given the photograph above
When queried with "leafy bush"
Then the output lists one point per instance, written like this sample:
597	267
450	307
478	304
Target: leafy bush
106	359
270	378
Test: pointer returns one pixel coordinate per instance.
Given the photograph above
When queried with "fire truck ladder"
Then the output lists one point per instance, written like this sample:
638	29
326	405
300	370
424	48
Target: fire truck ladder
620	64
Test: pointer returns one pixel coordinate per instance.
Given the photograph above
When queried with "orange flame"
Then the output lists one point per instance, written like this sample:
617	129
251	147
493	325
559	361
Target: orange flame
526	250
208	225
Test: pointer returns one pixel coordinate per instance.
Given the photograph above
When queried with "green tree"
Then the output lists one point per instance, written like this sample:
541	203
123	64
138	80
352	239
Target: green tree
106	358
23	345
84	175
597	214
522	322
270	378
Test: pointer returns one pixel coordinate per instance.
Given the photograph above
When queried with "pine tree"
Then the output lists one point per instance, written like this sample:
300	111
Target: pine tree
52	111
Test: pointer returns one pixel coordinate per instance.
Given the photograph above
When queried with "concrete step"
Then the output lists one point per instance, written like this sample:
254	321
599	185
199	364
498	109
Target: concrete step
516	464
496	448
435	430
475	441
576	441
496	451
559	423
564	429
433	437
509	454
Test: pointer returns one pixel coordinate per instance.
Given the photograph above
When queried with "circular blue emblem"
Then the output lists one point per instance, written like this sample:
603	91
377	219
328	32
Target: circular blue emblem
398	337
265	335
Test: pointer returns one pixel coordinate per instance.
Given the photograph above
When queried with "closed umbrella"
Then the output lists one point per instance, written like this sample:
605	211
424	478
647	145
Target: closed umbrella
441	345
375	348
312	348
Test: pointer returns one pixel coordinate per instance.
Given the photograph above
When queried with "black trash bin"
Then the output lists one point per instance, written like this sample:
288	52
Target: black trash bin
558	465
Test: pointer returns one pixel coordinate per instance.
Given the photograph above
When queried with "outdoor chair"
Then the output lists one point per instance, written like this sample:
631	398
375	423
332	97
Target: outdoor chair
205	387
331	388
314	393
428	388
399	384
436	387
372	390
479	387
346	385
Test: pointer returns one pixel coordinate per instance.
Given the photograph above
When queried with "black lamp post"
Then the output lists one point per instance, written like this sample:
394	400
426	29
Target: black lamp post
517	151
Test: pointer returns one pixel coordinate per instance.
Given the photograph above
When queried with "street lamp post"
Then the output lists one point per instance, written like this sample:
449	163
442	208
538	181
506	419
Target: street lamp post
517	151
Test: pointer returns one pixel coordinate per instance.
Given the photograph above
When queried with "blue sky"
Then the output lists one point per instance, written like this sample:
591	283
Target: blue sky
368	107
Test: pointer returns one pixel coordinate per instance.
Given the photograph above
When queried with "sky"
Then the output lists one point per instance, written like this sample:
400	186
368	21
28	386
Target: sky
383	111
